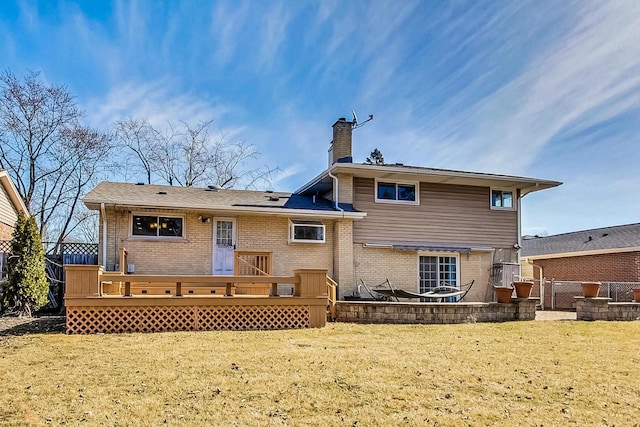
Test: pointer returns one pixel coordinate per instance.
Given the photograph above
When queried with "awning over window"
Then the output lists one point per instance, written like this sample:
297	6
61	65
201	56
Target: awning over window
431	248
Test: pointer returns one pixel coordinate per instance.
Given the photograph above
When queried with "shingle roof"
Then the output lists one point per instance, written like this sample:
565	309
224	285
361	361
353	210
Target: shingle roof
617	237
206	199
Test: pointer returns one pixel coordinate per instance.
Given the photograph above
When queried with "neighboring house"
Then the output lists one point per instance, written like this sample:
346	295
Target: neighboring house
11	205
416	226
609	254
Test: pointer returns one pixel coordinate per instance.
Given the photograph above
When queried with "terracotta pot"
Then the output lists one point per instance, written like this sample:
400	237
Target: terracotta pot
523	289
636	294
503	294
590	289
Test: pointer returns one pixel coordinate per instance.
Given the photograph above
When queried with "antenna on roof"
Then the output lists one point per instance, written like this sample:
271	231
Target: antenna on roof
355	124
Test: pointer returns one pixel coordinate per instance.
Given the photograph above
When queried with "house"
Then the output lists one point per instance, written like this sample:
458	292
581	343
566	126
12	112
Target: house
416	226
609	254
11	205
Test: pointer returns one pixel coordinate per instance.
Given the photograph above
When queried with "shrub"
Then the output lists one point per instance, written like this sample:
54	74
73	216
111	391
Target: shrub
27	288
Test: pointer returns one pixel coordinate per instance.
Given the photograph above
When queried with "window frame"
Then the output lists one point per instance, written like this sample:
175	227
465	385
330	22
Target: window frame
306	223
438	255
415	184
502	191
158	216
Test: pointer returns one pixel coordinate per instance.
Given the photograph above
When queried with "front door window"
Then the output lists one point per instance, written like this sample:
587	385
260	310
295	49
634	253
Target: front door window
224	247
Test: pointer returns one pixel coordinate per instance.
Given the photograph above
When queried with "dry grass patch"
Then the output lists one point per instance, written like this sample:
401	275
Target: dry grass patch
518	373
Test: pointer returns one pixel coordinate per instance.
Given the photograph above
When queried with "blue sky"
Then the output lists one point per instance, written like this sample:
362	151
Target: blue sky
549	89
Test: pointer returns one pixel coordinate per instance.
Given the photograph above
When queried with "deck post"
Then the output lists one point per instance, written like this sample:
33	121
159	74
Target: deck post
228	292
82	280
311	283
127	289
178	289
274	290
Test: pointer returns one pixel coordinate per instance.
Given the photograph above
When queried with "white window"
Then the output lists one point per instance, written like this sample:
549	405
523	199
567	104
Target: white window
397	192
306	231
145	225
437	270
501	199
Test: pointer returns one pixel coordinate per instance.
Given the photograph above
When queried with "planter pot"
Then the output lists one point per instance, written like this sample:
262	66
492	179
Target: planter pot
590	289
503	294
523	289
636	294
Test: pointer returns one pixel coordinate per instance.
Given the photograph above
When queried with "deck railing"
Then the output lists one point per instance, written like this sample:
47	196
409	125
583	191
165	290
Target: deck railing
332	288
113	301
252	263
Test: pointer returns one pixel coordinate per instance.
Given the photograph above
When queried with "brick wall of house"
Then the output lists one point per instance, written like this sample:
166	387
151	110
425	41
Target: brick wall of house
620	267
193	255
374	265
266	233
6	231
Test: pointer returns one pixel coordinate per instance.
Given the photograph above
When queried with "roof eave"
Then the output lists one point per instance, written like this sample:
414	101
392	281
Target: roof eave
527	185
12	191
95	205
582	253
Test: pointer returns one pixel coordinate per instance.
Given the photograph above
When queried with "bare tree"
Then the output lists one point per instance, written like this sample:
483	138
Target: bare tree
188	155
49	154
139	137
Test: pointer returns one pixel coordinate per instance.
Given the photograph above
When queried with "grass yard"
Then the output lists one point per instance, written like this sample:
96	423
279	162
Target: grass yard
517	373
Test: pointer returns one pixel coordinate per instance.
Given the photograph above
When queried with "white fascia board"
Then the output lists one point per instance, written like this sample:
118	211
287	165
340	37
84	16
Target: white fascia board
582	253
307	213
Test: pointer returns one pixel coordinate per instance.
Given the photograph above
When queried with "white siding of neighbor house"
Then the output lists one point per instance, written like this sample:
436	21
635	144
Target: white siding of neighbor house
8	215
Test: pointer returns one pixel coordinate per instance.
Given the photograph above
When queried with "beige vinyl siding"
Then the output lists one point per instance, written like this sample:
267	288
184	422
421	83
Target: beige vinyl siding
8	214
447	214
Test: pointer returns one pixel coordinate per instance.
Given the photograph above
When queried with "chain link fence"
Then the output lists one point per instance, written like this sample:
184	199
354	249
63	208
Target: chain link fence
563	292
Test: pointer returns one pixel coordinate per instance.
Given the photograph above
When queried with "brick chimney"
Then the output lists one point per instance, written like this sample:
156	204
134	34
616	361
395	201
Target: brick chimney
340	150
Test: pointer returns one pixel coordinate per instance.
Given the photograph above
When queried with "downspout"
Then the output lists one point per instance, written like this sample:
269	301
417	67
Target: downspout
335	192
519	215
104	235
542	291
335	223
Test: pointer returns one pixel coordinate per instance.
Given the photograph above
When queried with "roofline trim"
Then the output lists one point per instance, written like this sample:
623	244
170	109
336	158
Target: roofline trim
528	185
582	253
12	191
94	205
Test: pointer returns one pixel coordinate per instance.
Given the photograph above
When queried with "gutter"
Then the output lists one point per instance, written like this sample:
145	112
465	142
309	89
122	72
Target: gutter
245	210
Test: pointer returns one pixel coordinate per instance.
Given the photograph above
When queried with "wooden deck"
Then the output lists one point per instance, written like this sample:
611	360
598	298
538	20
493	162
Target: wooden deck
104	302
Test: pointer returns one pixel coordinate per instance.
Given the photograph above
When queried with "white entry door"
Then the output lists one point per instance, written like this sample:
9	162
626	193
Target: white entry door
224	243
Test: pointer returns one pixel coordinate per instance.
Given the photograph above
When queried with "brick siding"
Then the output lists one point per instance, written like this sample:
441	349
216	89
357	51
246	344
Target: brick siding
374	265
620	267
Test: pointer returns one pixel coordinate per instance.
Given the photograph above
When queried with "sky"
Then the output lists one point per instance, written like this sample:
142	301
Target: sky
547	89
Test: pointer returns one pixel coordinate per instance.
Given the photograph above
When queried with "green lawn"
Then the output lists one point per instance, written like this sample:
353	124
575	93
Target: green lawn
516	373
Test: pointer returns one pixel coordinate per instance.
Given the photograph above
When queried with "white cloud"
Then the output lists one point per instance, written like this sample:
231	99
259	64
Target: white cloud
155	102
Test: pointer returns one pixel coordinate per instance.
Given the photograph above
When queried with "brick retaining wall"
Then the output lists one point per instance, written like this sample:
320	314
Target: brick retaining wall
604	309
435	313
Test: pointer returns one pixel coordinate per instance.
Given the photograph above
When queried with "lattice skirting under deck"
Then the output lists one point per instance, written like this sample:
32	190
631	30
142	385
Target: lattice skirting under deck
91	320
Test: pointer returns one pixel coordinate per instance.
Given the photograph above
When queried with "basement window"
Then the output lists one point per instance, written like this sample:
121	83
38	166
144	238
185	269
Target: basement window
306	231
501	199
157	226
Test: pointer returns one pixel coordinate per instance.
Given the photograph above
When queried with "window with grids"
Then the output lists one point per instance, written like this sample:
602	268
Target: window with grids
224	233
157	226
501	199
397	192
437	270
